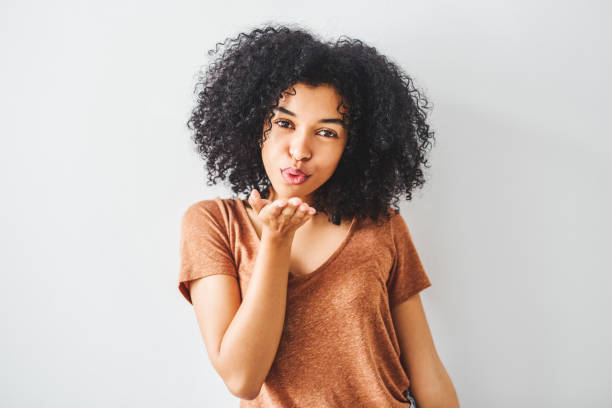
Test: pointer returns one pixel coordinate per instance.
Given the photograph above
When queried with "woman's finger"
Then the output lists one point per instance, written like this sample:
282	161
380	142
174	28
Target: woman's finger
291	207
255	201
300	213
303	209
274	208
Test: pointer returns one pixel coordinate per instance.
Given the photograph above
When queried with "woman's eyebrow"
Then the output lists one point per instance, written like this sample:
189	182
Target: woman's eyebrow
334	120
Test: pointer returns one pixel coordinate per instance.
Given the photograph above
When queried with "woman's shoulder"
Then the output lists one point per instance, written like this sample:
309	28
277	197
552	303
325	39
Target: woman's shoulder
209	203
383	222
216	208
385	230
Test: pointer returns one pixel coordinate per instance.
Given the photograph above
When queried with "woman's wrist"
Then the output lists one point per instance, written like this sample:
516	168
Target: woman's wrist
277	238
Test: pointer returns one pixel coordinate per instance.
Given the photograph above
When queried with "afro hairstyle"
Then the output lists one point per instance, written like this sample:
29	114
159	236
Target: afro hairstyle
388	135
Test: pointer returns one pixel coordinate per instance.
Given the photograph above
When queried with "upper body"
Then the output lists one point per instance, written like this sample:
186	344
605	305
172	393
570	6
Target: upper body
339	346
308	295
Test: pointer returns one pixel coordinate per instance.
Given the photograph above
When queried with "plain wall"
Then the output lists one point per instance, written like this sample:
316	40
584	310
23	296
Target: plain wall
97	168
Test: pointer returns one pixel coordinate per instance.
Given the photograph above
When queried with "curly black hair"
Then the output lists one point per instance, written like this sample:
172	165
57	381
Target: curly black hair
388	136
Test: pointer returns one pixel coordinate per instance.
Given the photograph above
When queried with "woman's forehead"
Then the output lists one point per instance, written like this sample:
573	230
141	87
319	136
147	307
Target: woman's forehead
302	99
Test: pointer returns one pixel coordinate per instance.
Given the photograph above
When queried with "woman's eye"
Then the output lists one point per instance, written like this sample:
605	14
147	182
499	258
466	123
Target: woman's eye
283	123
287	125
328	133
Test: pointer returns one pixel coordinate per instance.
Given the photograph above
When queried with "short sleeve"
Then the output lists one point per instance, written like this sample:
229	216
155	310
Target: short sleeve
407	276
204	245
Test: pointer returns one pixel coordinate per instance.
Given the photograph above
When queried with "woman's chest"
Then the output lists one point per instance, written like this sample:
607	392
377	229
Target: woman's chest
313	244
311	250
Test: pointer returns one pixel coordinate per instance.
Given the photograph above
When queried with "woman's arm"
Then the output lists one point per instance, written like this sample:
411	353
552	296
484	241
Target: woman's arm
429	382
242	338
250	342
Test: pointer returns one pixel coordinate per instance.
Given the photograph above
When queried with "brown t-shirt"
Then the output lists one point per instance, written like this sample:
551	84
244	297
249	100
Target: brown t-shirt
338	346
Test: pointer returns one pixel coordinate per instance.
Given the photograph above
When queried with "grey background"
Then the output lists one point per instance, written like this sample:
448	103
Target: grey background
97	168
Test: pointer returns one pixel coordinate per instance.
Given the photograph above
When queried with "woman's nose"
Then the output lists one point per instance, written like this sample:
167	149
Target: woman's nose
299	148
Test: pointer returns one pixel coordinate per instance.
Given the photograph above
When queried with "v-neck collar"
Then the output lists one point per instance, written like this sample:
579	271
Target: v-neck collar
329	260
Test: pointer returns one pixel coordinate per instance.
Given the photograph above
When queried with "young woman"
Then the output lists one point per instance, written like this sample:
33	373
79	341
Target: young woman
307	293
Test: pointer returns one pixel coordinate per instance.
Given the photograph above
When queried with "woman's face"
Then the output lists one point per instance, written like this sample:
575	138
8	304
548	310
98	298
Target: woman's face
305	143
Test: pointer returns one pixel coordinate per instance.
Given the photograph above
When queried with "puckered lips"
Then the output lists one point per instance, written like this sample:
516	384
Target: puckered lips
294	176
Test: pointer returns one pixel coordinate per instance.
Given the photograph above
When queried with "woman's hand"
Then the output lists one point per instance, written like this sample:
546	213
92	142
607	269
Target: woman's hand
280	218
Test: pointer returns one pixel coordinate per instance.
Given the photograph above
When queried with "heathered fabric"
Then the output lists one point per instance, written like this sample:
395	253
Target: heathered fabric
338	346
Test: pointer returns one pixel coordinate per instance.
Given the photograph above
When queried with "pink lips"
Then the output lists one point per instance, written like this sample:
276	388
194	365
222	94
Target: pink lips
294	176
295	171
